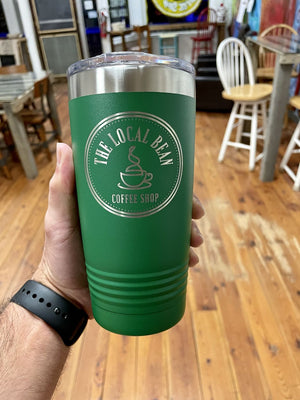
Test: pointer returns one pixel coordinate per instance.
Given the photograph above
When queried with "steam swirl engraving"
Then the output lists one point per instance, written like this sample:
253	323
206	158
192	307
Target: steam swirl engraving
135	177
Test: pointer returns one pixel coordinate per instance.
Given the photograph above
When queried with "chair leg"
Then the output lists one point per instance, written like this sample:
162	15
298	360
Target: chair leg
290	147
54	126
253	137
43	139
7	172
228	132
241	125
5	168
193	53
296	186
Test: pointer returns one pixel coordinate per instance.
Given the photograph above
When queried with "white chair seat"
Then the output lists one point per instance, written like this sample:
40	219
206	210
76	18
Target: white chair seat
250	100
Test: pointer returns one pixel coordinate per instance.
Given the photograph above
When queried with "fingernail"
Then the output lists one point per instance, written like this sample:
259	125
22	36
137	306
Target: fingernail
198	233
196	198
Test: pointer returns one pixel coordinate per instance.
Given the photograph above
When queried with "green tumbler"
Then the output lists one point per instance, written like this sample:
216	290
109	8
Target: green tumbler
133	131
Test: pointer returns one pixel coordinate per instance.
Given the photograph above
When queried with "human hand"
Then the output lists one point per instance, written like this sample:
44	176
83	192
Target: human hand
62	267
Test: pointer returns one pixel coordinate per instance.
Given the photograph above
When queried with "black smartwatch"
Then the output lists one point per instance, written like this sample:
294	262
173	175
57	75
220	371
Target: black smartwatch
64	317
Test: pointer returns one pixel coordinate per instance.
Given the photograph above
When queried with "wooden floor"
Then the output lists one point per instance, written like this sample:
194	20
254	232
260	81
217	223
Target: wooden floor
240	336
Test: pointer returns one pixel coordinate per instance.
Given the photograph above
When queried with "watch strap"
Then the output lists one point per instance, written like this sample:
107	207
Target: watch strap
63	316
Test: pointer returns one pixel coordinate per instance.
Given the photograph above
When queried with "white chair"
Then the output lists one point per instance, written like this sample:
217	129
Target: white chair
250	100
293	147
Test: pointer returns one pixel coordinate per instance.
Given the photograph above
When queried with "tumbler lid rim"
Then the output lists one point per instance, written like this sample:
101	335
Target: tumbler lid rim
129	58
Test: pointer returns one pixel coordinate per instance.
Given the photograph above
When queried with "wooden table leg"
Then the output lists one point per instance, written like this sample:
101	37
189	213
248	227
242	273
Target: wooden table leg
124	47
53	110
19	134
279	100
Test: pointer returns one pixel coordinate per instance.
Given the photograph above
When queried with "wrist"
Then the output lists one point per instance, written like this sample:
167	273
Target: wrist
78	296
41	277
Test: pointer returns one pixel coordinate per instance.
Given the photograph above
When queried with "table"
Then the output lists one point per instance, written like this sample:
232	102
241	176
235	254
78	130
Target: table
288	54
15	90
154	28
183	26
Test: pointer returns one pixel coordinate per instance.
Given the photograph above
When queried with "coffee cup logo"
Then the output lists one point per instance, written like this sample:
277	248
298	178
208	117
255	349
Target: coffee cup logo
135	177
133	164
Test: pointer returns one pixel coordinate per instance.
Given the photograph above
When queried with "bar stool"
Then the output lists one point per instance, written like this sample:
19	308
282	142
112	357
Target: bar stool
293	147
234	64
168	44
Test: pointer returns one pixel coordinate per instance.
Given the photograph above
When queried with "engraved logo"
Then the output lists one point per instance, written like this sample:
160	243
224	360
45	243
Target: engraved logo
133	164
135	177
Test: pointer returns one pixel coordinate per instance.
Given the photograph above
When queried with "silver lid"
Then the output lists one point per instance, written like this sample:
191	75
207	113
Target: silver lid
129	58
131	72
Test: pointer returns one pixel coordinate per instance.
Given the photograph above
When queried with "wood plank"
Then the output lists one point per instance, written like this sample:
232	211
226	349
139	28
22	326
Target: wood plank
201	288
89	381
280	368
21	246
152	369
120	376
17	213
183	374
217	375
288	374
272	259
227	266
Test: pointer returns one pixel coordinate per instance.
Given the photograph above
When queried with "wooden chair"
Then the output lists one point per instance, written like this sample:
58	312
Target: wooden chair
293	148
206	26
36	115
143	40
266	58
235	70
4	149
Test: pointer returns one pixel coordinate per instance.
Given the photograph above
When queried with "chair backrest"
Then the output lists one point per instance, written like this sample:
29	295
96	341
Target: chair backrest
234	64
279	30
41	88
13	69
144	43
267	59
206	22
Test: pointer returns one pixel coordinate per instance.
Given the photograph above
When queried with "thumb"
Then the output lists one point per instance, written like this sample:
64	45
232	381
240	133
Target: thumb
62	202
